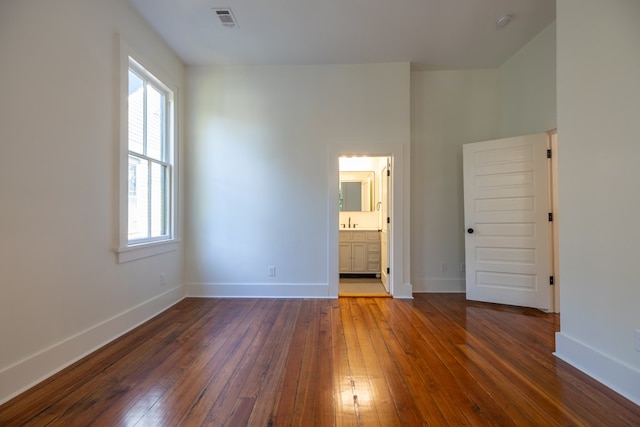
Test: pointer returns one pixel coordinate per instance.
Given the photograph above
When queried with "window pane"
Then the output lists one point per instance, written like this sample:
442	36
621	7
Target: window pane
149	168
155	123
158	200
136	113
138	198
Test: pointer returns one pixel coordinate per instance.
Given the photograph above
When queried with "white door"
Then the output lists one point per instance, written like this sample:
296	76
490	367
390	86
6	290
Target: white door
506	212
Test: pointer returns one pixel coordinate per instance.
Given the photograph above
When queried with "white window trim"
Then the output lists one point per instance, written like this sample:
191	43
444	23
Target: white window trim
126	251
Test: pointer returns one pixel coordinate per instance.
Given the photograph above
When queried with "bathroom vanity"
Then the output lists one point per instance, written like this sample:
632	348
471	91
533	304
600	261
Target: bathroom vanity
359	251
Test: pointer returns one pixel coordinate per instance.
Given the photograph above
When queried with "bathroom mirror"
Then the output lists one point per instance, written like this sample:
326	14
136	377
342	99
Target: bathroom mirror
356	191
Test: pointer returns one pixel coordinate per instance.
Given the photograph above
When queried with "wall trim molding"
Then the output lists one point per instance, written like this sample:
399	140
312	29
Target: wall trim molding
438	285
621	378
258	290
26	373
405	291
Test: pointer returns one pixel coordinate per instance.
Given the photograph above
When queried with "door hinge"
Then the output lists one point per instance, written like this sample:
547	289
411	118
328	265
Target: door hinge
388	172
551	280
388	220
550	216
549	154
388	270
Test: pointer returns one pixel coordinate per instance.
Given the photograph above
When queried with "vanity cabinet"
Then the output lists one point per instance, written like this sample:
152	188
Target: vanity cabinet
359	251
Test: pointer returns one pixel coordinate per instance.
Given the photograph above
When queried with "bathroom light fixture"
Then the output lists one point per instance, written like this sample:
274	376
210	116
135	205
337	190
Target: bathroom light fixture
503	20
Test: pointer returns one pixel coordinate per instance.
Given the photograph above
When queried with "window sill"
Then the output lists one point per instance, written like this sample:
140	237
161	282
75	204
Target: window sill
145	250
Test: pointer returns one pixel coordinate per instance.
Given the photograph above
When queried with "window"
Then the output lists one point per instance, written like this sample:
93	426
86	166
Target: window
147	192
149	150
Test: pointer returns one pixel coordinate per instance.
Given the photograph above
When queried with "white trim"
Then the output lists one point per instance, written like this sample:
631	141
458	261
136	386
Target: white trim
621	378
399	244
439	285
125	251
132	253
28	372
403	291
258	290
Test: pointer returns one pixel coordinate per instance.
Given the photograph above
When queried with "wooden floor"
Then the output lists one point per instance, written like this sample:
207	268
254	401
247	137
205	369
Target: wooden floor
435	360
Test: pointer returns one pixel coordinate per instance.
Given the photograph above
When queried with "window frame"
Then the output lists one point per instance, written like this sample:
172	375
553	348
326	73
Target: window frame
130	250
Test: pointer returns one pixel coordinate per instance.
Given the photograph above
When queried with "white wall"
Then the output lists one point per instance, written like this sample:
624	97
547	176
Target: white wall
263	171
598	130
62	293
448	109
528	87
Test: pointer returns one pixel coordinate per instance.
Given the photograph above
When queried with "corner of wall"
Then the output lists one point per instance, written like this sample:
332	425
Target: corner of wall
619	377
28	372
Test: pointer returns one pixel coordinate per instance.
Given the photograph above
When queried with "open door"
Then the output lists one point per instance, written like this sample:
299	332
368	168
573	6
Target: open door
507	214
385	177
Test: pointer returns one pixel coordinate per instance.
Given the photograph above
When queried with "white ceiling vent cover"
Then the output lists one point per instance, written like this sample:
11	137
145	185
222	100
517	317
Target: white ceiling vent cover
226	17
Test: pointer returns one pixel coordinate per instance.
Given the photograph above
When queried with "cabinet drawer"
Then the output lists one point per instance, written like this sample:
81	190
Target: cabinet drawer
373	235
359	236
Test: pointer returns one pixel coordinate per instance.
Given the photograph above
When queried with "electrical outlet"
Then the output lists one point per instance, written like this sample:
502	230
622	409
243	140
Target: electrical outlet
463	267
637	339
163	279
444	267
271	270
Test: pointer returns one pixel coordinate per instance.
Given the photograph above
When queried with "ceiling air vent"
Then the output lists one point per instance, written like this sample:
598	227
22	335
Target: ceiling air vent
226	17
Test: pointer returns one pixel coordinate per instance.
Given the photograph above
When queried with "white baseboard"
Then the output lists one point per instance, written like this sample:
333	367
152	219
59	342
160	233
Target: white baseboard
258	290
404	291
619	377
438	285
28	372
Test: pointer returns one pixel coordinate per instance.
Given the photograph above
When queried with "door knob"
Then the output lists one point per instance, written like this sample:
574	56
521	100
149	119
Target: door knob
470	230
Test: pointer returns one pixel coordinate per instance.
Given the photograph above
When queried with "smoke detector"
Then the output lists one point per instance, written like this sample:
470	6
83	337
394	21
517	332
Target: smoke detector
503	20
226	17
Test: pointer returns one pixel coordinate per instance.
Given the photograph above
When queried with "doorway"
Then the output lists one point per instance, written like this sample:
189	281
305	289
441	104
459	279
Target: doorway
364	199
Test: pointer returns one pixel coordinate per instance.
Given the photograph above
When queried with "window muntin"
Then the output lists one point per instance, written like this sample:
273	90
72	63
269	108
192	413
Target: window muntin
150	149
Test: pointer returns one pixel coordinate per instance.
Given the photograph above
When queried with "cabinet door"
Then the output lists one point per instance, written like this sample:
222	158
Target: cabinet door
344	251
359	257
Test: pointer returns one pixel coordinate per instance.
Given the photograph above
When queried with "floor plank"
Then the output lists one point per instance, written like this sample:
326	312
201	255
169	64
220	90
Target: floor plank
435	360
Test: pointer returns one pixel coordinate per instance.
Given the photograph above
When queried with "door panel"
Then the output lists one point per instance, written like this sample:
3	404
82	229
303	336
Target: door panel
344	257
507	246
359	257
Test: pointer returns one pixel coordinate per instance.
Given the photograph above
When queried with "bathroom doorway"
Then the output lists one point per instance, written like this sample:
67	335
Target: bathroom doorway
364	226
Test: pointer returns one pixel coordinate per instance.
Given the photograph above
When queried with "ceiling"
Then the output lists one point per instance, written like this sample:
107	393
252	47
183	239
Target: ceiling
431	34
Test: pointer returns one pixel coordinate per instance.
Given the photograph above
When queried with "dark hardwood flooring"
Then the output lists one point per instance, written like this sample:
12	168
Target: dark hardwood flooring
437	360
